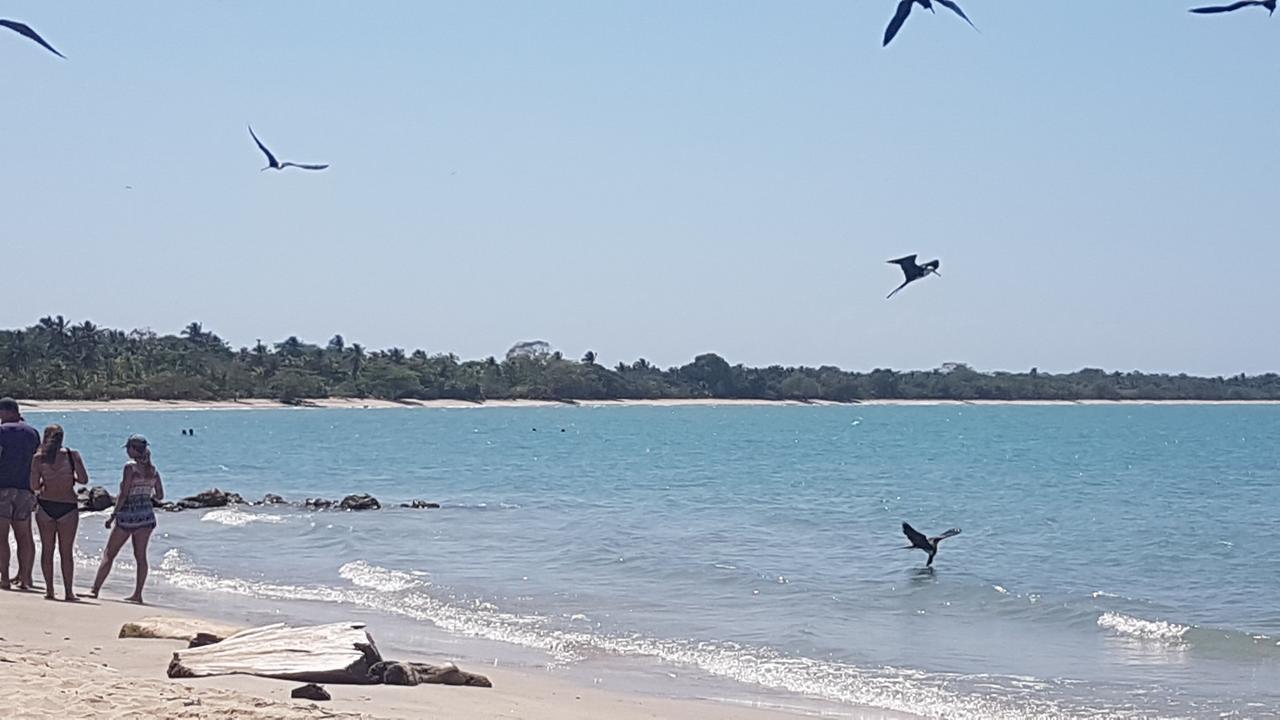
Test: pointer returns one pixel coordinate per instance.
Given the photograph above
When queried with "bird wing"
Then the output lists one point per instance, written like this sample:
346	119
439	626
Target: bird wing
271	159
303	166
950	533
26	31
948	4
1225	8
917	538
903	261
899	17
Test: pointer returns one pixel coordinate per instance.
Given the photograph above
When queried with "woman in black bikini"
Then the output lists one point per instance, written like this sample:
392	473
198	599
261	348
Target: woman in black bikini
54	475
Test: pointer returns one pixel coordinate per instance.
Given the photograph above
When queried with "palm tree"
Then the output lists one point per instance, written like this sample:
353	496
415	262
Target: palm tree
589	358
195	333
357	360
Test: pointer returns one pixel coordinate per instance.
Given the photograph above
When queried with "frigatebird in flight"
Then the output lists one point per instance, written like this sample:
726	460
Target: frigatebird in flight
1270	5
26	31
904	9
273	164
913	271
927	544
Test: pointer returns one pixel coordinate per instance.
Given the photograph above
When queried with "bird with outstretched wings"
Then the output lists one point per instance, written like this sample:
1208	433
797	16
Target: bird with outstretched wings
274	164
919	541
913	271
904	11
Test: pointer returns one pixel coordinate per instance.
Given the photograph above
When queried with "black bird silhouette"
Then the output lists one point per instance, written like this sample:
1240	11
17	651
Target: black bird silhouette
913	271
1270	5
904	9
273	164
26	31
927	544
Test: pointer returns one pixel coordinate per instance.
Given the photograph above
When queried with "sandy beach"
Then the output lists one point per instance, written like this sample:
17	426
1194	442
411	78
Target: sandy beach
64	660
62	406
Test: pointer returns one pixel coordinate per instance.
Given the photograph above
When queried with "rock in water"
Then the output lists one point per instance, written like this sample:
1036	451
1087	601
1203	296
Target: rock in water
273	499
97	499
421	505
214	498
310	691
318	504
360	502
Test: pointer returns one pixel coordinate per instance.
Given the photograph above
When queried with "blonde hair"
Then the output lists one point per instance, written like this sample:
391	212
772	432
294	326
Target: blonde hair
140	453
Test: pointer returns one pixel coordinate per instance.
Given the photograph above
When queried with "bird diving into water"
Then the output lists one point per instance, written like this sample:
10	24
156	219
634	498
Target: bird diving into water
904	9
26	31
1270	5
273	164
913	271
927	544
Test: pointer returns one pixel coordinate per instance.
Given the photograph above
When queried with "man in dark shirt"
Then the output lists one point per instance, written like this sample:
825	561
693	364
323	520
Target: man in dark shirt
18	444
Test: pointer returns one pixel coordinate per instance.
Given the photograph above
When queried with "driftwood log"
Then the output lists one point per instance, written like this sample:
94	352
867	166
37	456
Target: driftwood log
337	653
403	673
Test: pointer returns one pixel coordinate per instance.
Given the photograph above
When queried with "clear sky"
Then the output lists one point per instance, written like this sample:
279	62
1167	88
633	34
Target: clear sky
655	178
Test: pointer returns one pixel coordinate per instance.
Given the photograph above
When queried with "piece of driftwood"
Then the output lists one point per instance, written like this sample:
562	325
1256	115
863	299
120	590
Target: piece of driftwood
403	673
337	653
175	628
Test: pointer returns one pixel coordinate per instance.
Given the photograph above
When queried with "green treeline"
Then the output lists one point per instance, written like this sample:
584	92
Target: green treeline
56	360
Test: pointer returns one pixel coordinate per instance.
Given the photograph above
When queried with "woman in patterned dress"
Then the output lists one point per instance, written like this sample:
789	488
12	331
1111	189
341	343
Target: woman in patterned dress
134	516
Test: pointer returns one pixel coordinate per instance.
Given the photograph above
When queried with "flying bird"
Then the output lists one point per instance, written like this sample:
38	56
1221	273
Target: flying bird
1270	5
927	544
904	9
26	31
273	164
913	271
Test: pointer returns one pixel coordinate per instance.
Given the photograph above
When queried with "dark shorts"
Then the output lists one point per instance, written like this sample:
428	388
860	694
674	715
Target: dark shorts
16	504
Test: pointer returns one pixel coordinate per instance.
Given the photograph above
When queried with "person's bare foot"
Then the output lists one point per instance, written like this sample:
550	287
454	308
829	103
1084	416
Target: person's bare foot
135	599
94	593
49	596
5	585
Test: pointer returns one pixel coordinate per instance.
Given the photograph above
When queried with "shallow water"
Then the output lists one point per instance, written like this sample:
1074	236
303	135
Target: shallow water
1115	560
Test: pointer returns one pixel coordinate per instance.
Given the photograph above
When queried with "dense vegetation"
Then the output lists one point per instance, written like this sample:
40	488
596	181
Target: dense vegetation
56	360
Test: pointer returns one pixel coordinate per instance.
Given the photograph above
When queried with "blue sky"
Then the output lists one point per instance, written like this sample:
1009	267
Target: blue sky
656	178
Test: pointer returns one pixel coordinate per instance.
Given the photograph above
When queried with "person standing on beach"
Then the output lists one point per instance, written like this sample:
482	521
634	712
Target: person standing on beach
18	443
54	474
134	515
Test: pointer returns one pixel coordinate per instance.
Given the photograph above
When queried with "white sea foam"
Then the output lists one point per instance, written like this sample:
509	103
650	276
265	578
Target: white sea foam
892	689
235	517
1154	630
362	574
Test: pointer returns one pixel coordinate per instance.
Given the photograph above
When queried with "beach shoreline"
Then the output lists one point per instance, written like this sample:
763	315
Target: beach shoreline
339	403
67	661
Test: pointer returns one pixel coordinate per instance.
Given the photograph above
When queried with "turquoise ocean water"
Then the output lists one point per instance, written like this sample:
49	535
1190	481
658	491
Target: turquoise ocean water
1116	561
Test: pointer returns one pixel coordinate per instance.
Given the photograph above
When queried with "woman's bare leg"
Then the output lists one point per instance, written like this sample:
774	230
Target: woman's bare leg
141	537
48	537
67	526
114	543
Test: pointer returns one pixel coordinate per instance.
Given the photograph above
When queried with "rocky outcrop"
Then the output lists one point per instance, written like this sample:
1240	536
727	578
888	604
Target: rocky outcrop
404	673
421	505
95	499
317	504
360	502
272	499
210	499
310	691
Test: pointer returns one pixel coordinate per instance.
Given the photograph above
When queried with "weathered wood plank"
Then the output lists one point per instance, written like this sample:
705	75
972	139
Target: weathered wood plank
336	653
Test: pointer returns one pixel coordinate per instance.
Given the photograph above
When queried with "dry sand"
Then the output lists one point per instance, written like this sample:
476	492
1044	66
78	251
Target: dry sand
63	660
62	406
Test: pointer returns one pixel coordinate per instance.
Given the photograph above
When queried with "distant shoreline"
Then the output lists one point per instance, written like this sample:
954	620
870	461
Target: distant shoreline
372	404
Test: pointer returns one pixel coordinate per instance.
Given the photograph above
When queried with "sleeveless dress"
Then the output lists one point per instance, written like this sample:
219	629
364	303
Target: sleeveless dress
136	511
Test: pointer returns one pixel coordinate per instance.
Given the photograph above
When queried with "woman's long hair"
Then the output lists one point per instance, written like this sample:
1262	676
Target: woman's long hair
51	445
